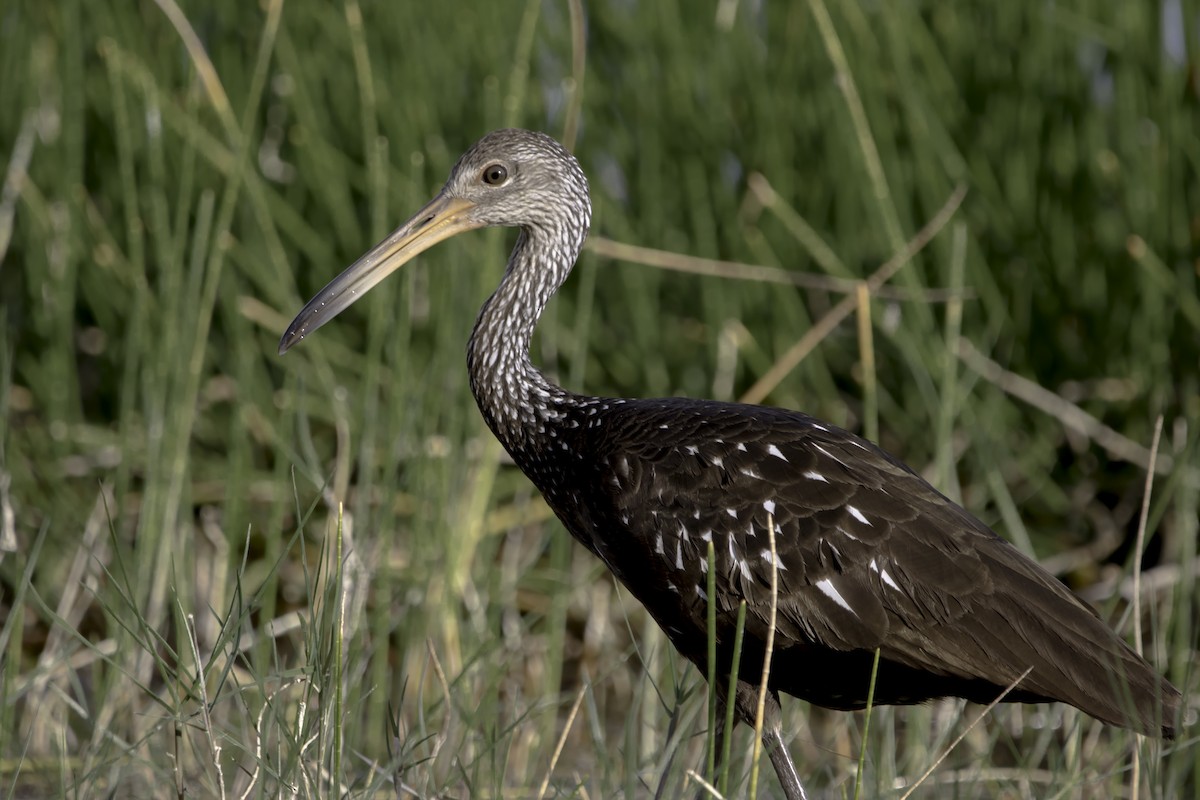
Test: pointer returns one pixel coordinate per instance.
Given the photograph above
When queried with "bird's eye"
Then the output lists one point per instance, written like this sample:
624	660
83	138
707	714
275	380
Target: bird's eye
495	174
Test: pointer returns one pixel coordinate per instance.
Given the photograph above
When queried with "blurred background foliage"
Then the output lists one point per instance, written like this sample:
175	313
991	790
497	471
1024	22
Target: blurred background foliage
181	178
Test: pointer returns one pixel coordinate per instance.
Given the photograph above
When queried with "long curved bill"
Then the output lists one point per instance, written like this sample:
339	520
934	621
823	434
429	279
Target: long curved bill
442	218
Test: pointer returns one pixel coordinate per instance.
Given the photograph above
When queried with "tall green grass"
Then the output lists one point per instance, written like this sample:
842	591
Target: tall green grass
316	575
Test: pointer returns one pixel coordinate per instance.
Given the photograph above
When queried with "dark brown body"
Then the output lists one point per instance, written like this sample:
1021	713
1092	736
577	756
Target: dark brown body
954	609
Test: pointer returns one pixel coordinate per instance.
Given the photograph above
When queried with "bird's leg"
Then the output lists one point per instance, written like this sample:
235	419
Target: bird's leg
782	761
772	736
746	697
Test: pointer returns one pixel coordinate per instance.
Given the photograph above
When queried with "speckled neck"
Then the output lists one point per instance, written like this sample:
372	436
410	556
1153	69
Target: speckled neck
514	397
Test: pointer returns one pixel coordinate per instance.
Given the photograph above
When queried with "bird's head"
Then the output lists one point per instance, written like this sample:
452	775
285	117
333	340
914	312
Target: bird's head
509	177
519	178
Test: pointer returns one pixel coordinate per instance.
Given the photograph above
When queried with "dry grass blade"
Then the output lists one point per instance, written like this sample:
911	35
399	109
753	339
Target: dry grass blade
8	524
440	673
710	761
858	115
709	789
1069	414
987	710
204	66
740	271
90	556
1139	548
765	197
1155	581
788	361
866	354
562	740
767	653
14	178
259	735
214	749
578	70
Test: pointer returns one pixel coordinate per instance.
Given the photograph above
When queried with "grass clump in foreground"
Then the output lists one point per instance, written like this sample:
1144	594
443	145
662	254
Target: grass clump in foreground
226	573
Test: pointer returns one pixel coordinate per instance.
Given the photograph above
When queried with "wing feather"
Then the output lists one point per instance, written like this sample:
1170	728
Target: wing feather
864	547
867	555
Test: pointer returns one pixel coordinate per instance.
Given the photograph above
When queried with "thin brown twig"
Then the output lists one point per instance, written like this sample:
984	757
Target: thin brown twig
788	361
741	271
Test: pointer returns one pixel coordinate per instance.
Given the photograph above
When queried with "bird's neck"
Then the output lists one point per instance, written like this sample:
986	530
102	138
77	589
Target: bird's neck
516	399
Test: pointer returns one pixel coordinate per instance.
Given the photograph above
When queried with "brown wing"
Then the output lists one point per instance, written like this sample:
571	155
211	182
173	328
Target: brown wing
868	555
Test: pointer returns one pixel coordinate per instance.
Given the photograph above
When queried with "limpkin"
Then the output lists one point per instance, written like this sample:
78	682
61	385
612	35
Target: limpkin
868	555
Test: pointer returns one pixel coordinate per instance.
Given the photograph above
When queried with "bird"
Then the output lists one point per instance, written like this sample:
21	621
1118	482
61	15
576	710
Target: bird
839	552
